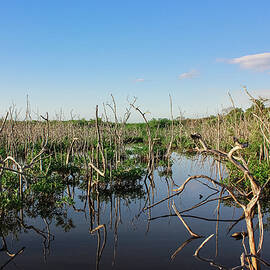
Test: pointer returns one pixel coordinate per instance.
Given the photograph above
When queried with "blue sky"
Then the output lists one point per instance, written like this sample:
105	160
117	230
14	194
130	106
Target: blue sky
71	55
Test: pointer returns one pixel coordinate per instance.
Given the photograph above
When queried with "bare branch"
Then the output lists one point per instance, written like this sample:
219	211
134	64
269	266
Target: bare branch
184	223
4	122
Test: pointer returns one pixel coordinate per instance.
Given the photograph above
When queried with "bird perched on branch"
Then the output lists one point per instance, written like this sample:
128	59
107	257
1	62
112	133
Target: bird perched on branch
237	143
196	136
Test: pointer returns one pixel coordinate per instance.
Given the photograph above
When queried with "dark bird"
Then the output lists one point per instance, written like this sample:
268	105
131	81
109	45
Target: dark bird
244	145
236	142
196	136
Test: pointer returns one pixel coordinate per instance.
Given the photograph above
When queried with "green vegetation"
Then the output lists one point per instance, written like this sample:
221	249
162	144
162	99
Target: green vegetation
43	162
40	159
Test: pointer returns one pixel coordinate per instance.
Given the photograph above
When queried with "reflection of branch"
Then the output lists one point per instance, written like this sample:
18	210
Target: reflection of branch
14	255
100	250
197	217
115	233
5	248
259	259
218	208
38	231
46	247
210	261
242	257
236	222
182	246
4	243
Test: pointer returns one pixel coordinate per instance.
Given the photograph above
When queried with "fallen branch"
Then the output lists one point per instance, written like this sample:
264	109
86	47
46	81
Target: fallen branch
184	223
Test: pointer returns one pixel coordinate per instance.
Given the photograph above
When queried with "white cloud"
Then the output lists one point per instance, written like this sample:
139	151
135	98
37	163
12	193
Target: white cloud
188	75
258	62
139	80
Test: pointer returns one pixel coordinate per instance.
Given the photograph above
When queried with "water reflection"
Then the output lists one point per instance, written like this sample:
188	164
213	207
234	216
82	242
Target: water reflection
128	224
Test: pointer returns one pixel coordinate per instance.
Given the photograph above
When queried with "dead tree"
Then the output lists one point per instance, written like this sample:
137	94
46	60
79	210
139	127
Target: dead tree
252	197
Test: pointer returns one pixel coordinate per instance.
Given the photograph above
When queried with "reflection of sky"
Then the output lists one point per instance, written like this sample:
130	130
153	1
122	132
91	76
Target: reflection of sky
138	248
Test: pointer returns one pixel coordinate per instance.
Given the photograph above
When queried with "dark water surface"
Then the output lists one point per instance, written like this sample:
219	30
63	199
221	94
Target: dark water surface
132	241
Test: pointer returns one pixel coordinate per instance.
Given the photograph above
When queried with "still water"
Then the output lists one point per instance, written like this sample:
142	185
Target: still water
135	239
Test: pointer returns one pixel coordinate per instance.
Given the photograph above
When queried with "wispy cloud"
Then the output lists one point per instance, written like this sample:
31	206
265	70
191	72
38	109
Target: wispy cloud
188	75
140	80
258	62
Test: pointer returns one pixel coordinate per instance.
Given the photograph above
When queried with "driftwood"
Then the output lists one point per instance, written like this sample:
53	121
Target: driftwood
184	223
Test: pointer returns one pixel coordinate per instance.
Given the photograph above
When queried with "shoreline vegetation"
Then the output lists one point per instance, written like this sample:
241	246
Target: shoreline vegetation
41	160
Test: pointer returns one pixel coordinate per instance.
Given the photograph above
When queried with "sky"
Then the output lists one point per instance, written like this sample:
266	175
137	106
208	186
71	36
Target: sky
69	56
